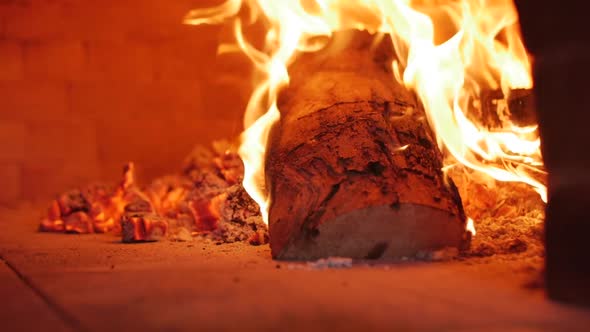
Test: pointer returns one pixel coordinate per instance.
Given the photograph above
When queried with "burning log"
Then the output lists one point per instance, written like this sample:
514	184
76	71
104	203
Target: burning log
352	167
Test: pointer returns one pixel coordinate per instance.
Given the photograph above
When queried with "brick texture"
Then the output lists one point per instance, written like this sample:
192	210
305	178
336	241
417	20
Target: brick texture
119	60
10	183
54	60
12	141
88	85
33	100
11	60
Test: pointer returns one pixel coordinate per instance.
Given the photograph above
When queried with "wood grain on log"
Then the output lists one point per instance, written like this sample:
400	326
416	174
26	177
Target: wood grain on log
353	168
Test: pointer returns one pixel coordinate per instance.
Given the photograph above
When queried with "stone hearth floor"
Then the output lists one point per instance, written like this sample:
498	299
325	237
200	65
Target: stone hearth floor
56	282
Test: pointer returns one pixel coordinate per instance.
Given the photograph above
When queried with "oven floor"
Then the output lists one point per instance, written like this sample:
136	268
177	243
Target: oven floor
59	282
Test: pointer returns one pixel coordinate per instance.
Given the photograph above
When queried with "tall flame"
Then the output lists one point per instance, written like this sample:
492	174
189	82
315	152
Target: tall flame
448	53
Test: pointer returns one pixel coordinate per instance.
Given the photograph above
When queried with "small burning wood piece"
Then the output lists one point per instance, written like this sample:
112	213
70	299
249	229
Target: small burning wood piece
206	199
89	210
219	205
139	222
143	227
239	218
93	209
64	211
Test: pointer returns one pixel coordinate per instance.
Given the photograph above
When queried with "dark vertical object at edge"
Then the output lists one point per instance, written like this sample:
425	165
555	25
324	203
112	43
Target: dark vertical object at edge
557	36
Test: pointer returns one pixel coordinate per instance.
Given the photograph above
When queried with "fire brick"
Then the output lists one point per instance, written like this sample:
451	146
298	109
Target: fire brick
120	61
33	19
12	137
33	100
57	141
54	60
10	182
11	61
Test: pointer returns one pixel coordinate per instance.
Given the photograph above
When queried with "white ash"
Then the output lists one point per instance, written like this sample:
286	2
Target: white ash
324	264
508	216
441	255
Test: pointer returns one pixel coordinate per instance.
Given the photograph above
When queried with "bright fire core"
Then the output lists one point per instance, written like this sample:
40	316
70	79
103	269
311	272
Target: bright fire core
449	51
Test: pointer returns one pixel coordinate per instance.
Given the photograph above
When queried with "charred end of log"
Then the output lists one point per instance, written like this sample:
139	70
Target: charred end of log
378	232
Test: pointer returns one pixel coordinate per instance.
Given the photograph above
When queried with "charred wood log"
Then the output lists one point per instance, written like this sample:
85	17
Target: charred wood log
497	111
353	168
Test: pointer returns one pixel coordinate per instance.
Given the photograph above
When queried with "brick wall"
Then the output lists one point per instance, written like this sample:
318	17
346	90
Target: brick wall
86	85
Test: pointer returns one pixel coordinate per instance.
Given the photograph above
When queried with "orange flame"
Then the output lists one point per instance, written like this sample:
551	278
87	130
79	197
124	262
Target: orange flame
448	52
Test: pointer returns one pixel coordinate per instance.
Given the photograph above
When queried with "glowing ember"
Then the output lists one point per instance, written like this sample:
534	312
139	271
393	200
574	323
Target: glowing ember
205	199
448	53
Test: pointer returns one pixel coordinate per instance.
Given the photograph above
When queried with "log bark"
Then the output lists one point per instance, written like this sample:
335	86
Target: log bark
353	168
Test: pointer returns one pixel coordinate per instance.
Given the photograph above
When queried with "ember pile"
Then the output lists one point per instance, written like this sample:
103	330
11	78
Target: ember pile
205	199
508	216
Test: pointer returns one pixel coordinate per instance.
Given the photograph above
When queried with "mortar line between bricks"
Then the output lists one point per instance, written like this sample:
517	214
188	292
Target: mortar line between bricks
61	313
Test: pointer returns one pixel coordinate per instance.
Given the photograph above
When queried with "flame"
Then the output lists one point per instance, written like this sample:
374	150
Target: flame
470	226
448	53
